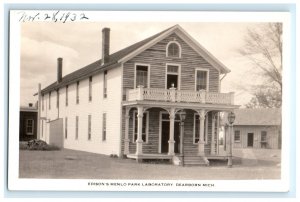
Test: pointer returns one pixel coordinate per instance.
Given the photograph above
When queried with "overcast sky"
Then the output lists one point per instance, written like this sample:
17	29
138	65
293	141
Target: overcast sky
79	44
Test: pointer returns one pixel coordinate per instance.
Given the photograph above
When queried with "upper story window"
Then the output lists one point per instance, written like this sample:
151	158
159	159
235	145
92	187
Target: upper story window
57	98
50	100
67	91
77	92
90	88
202	78
173	49
142	75
43	102
105	84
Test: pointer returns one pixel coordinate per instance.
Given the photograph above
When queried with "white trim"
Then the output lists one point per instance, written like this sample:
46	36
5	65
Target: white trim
167	47
160	127
32	131
147	125
148	73
189	40
207	77
206	129
179	74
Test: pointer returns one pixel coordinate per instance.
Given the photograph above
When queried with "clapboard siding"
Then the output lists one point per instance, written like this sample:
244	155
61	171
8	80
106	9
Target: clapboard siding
272	136
156	58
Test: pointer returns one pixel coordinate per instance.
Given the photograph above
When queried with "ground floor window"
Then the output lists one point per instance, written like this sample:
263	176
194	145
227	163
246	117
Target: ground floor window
104	127
29	126
66	127
76	128
89	127
263	137
237	136
145	126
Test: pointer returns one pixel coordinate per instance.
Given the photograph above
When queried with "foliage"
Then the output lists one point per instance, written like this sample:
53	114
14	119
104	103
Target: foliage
263	48
37	145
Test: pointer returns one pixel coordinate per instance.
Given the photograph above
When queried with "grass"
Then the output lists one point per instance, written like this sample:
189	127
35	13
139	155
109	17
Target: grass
70	164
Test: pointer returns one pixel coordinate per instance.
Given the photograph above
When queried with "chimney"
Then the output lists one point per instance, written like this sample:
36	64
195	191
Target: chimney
59	69
105	45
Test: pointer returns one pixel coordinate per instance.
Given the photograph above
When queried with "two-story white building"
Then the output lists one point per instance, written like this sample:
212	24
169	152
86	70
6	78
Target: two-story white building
156	99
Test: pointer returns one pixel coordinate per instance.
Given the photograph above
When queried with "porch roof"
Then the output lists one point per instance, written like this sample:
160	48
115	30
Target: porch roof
180	105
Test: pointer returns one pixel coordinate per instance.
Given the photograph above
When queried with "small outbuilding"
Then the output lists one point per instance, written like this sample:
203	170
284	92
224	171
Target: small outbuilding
28	122
257	128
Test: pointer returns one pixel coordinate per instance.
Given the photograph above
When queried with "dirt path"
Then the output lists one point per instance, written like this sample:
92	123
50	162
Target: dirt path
249	158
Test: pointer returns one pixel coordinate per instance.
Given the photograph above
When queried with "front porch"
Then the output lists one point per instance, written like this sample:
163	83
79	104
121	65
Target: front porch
154	127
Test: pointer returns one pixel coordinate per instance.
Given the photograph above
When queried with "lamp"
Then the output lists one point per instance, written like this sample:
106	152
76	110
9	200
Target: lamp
182	115
231	118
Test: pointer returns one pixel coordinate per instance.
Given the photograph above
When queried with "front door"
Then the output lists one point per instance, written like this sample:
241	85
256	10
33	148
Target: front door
165	136
250	140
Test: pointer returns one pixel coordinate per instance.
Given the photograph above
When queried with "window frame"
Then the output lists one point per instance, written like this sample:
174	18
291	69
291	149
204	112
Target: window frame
207	77
77	92
234	135
133	125
171	73
261	135
89	127
66	127
105	73
104	126
32	127
205	128
148	73
67	94
90	88
179	49
76	127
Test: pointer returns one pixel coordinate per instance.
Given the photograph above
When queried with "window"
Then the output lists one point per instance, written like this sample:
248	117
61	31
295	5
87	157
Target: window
57	98
43	102
173	76
105	84
104	127
173	49
67	91
141	76
42	129
201	79
263	137
50	100
77	92
90	88
197	128
29	126
90	127
237	136
76	128
144	128
66	127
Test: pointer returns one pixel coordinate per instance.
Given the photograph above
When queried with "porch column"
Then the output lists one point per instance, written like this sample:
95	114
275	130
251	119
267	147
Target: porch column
126	140
139	140
212	146
201	135
171	136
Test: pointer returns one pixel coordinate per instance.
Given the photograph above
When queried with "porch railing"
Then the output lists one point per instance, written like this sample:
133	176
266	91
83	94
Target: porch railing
173	95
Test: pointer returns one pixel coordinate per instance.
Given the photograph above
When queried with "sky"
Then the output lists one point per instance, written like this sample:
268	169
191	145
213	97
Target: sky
79	44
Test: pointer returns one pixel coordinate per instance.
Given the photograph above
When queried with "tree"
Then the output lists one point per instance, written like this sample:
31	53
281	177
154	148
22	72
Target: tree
263	47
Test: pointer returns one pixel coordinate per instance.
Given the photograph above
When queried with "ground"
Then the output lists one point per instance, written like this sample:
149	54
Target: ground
70	164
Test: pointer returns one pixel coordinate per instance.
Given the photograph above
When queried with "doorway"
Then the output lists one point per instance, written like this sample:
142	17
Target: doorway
250	140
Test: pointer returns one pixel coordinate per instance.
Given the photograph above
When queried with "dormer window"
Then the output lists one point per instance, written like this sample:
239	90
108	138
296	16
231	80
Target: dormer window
173	49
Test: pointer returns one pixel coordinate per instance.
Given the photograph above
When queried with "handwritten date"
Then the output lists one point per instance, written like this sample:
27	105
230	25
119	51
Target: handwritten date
55	16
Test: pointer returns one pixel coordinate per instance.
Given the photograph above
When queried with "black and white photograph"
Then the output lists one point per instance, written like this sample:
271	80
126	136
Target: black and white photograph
150	103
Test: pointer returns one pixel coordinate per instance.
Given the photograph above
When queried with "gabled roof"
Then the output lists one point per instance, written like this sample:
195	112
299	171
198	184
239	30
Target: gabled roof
125	54
258	117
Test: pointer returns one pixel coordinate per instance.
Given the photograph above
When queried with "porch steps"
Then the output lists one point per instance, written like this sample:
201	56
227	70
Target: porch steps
194	160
